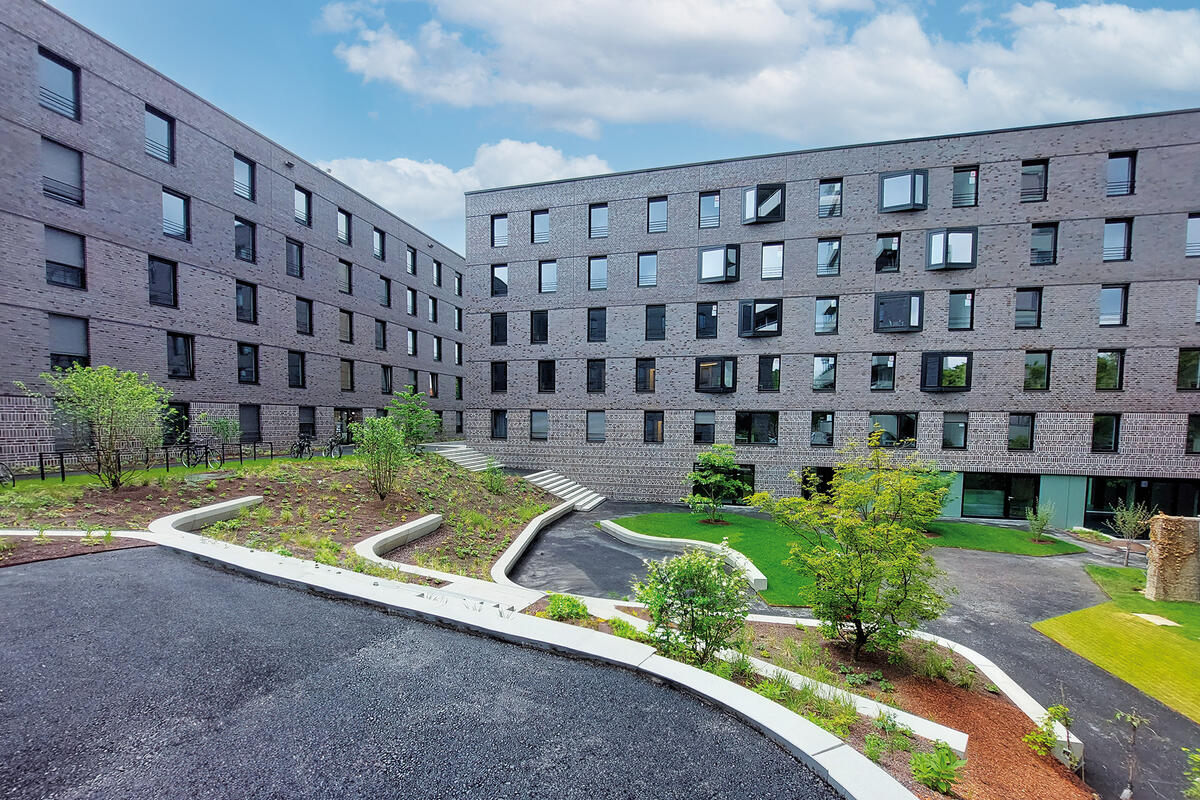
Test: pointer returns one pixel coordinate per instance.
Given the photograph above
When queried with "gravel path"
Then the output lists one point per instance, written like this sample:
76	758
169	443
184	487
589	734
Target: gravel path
142	673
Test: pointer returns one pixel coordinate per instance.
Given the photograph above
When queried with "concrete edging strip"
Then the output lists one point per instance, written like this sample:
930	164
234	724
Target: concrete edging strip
397	537
519	545
758	581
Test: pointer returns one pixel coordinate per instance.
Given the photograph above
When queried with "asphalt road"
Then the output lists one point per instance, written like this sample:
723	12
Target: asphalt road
144	674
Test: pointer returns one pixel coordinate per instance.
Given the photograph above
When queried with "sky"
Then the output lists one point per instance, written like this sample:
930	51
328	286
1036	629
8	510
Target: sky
413	103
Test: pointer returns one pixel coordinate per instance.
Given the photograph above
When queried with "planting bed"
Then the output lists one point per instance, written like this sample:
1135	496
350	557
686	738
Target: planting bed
26	549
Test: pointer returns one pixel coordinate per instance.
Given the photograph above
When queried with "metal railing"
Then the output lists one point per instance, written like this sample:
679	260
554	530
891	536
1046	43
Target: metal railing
1119	253
710	220
64	462
1118	188
303	217
244	253
58	190
1039	257
1033	194
964	199
56	102
597	231
1192	249
173	228
159	150
499	240
541	237
657	226
831	208
243	189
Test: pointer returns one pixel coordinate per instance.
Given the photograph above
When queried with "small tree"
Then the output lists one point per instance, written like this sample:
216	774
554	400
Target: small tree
226	429
380	449
715	482
696	605
413	418
1131	521
863	544
108	410
1039	517
1129	723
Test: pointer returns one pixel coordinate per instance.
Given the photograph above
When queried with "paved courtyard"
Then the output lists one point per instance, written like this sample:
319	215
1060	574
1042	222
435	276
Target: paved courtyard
142	673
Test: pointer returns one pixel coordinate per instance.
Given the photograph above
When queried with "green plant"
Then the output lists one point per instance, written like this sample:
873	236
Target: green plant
938	770
694	602
564	607
283	551
381	452
1130	724
928	661
226	429
1191	775
41	537
626	630
492	478
965	678
715	481
775	688
1039	516
7	546
992	688
874	746
414	420
1130	521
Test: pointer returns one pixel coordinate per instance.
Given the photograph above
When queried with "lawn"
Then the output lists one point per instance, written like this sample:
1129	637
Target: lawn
996	539
1158	660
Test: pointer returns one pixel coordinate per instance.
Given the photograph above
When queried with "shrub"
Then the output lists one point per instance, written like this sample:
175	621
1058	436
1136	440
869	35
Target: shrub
381	452
1039	517
777	688
695	603
413	418
938	770
564	607
715	481
493	478
1191	775
1043	740
626	630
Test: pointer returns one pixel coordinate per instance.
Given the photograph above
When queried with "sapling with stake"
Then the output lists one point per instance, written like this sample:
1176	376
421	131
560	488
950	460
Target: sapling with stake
1130	722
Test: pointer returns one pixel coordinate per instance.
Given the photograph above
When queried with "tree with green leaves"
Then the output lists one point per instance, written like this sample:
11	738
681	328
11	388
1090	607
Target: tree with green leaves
1130	520
1039	515
226	429
108	411
413	418
715	482
862	540
380	448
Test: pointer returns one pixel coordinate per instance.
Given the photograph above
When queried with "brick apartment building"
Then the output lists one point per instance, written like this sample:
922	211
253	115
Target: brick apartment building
144	228
1022	306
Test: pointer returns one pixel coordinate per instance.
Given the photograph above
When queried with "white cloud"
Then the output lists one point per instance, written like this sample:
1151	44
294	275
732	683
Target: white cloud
430	195
803	70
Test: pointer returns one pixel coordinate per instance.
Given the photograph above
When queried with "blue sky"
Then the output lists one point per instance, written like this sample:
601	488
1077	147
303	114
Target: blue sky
415	102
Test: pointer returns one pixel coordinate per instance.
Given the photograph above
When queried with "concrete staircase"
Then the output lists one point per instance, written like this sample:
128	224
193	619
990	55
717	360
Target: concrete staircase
462	455
585	499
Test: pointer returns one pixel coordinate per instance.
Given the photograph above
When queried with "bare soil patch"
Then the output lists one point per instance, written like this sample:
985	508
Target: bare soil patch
16	550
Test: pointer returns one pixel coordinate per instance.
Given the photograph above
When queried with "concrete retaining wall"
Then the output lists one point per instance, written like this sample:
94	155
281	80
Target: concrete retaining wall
758	581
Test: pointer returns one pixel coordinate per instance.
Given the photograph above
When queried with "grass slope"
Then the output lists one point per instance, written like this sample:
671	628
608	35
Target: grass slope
996	539
1160	661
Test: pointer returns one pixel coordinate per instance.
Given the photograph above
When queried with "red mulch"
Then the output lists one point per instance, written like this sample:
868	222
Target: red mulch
27	551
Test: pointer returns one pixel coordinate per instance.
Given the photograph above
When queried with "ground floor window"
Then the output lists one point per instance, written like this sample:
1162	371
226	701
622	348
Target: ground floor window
1175	497
998	495
248	419
745	472
343	418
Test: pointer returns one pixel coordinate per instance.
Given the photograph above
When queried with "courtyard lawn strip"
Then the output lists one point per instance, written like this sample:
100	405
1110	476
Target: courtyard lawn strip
996	539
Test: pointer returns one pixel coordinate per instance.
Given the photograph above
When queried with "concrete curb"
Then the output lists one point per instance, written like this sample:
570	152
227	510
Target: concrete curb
519	545
758	581
396	537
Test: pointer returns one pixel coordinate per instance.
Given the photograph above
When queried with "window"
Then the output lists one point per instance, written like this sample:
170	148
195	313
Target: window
954	431
706	320
433	385
821	431
829	256
704	427
175	424
768	373
385	291
58	84
180	358
718	264
499	377
295	258
756	427
410	301
1037	370
547	276
295	369
539	327
1110	370
710	209
64	259
898	430
539	227
432	307
945	372
883	372
539	426
308	421
458	393
410	262
411	386
899	312
903	191
247	363
243	239
302	203
246	301
437	348
499	230
1188	375
458	354
656	323
347	375
598	221
760	317
1106	428
1192	246
385	379
1020	431
1118	237
160	135
951	248
645	372
762	203
887	252
381	335
824	373
825	316
1043	243
598	272
596	375
249	419
545	373
1034	180
458	284
656	215
1029	308
652	427
966	187
243	177
716	374
162	282
595	426
68	341
499	424
961	316
437	273
411	341
1120	174
62	173
499	328
597	325
304	316
1193	434
1114	300
345	326
344	223
176	209
829	198
379	244
499	280
772	261
647	269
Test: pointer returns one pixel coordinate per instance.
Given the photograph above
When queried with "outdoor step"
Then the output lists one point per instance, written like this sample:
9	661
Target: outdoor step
590	504
533	477
574	494
559	485
545	478
584	498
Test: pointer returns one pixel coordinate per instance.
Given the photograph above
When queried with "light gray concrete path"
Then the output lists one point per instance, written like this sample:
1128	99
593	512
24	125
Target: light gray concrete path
146	674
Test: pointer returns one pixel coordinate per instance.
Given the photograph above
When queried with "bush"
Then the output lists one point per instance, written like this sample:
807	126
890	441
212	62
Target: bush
1039	517
873	746
564	607
1191	775
938	770
695	604
493	478
715	482
1043	740
381	452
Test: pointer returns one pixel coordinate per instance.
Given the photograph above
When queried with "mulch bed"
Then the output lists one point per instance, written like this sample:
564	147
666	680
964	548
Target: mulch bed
1113	544
27	551
595	623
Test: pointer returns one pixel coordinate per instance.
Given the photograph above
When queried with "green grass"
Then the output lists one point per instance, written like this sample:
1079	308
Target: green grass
996	539
1160	661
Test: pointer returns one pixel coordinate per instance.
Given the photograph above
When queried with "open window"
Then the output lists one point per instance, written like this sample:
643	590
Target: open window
762	203
760	317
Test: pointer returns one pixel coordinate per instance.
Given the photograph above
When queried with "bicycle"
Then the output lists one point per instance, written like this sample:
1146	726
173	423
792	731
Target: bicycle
303	447
333	447
6	476
194	454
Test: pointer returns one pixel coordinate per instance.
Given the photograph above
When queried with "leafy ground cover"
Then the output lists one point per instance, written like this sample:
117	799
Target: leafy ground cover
1159	660
996	539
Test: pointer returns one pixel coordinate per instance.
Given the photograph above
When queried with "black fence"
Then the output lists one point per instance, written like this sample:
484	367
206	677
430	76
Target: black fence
71	462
